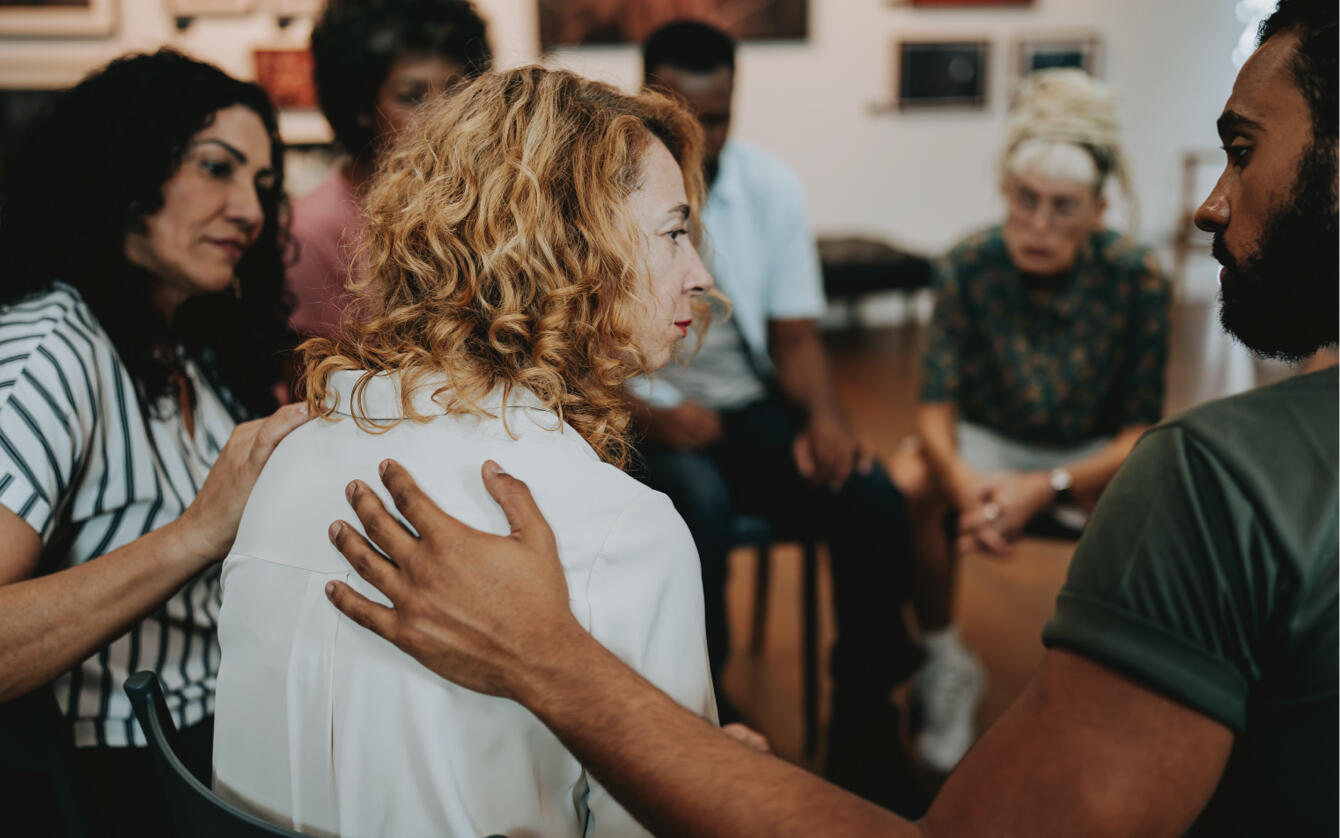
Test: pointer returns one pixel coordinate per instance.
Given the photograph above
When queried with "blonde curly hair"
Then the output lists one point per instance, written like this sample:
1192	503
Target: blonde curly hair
501	252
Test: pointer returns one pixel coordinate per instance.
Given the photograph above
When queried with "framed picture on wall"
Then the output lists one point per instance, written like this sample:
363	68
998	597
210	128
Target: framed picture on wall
941	74
1042	53
596	22
59	18
286	75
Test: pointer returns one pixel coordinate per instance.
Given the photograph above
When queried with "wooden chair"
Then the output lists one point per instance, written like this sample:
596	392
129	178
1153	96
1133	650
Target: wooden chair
758	533
196	811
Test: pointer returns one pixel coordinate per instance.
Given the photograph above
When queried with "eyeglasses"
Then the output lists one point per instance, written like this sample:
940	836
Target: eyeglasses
1062	212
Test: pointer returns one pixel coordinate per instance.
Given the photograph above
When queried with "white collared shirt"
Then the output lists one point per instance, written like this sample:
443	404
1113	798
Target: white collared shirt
324	727
761	252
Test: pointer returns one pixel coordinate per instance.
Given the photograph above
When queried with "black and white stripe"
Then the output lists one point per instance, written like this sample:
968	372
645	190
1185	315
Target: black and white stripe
90	472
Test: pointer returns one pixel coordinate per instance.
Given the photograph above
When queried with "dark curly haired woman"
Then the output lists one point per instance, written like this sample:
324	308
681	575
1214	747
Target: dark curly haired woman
376	62
141	319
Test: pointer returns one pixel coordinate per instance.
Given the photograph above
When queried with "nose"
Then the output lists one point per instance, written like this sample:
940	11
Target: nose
245	208
1212	215
699	279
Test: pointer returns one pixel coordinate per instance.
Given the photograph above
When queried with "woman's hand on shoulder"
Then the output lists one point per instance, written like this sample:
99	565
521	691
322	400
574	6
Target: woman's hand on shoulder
209	525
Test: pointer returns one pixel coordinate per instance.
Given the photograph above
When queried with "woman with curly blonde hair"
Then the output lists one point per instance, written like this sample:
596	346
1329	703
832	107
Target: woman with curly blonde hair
531	246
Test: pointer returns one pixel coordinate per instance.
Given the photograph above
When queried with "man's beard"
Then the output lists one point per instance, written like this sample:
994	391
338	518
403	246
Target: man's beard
1282	299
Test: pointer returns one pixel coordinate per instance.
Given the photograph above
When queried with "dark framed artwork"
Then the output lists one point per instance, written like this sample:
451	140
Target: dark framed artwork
566	23
57	18
941	74
1043	53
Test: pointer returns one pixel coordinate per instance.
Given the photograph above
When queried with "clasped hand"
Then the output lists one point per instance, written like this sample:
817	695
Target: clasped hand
995	507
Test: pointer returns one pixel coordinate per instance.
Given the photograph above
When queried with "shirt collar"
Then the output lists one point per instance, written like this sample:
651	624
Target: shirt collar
380	399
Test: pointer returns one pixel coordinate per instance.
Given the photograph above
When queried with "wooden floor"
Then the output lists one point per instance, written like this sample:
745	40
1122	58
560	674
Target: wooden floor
1001	604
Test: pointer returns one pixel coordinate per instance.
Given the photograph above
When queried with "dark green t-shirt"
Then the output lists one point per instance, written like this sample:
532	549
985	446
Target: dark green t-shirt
1059	362
1208	573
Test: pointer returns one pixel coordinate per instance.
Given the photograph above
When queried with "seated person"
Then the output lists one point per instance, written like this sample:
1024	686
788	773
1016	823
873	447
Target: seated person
142	321
375	63
531	246
1045	365
753	424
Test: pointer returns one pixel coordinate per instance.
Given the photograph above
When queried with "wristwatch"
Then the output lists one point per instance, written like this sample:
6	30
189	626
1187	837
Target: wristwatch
1062	483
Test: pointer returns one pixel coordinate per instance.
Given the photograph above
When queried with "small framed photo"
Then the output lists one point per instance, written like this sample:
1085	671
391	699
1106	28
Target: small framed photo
1082	51
941	74
286	75
57	18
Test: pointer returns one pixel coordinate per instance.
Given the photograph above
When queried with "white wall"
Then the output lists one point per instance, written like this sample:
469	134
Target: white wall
921	180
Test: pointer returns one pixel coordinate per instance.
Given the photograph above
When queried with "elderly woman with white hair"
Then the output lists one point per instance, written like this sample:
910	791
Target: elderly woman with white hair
1044	366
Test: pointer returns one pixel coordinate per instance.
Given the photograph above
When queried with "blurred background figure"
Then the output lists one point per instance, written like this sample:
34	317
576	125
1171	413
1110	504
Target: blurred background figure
1045	364
375	62
141	320
752	423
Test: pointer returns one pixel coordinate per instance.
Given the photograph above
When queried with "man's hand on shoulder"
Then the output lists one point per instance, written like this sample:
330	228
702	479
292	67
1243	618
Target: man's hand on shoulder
688	426
445	584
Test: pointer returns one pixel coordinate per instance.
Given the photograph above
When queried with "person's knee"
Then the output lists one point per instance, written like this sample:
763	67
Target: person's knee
911	473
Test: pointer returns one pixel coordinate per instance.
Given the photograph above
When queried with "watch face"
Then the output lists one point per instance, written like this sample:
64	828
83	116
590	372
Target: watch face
1060	480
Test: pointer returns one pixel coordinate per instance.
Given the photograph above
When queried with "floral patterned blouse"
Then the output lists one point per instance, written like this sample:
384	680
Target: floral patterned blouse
1054	362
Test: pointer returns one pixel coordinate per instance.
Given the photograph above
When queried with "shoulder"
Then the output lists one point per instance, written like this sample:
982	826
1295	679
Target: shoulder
984	245
330	205
759	169
53	329
1125	255
1253	431
979	251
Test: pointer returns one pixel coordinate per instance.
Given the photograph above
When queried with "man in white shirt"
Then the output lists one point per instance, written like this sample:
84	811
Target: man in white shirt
752	423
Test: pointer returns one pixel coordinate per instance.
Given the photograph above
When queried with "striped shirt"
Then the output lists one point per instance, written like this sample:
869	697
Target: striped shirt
89	471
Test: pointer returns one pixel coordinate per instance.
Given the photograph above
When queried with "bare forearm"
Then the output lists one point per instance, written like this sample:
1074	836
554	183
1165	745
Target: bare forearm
1092	474
935	426
677	774
50	623
802	368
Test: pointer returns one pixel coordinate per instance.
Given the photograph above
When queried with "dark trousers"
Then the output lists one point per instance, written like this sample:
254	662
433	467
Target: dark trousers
751	470
125	796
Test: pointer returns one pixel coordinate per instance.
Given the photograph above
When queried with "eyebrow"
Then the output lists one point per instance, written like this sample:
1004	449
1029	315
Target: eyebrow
235	152
1232	122
682	211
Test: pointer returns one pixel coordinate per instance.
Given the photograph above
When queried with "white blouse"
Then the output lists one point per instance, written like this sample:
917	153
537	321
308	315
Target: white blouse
324	727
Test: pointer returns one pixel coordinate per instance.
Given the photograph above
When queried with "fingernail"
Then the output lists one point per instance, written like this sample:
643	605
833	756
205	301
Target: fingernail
493	467
302	409
349	490
330	590
381	469
334	531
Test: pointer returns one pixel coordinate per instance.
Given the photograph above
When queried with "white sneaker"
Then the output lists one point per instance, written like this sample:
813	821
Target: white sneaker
948	689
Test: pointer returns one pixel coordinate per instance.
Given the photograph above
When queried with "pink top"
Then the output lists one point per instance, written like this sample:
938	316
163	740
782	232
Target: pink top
328	226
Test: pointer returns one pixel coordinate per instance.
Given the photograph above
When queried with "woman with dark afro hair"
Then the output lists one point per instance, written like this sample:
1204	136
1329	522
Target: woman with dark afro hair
141	319
376	62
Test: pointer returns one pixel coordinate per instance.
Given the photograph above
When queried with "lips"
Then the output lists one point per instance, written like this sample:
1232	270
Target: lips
235	248
683	327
